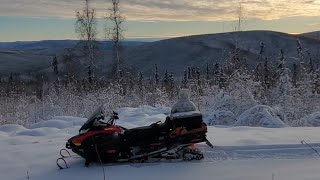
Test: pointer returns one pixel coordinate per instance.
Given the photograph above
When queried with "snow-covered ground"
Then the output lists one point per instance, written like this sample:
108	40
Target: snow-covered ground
240	153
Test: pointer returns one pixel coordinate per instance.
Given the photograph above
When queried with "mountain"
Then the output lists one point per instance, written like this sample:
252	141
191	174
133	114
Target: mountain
172	55
178	53
56	47
22	62
36	56
313	35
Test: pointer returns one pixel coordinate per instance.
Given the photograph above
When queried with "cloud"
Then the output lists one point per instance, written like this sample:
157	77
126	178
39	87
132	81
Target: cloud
167	10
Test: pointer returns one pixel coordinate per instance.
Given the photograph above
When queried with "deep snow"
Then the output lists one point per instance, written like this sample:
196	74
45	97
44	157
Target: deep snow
247	153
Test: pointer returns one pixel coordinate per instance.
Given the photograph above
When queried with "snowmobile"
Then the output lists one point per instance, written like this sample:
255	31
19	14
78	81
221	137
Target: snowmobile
105	142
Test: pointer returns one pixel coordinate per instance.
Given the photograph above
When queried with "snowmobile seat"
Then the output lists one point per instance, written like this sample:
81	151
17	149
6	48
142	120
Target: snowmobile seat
189	120
146	134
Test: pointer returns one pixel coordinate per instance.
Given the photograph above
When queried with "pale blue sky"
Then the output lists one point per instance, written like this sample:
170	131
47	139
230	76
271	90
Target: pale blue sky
22	20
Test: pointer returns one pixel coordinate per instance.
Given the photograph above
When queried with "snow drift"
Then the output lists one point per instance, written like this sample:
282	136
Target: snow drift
260	116
312	120
225	118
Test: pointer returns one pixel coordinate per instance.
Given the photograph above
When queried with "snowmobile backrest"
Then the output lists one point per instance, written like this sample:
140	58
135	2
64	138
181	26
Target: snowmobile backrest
182	115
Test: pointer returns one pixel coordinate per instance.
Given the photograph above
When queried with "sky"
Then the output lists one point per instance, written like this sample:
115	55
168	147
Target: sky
26	20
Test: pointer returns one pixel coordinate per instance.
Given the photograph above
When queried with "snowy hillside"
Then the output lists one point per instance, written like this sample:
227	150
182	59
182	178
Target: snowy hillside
313	35
13	61
174	54
240	153
36	56
179	53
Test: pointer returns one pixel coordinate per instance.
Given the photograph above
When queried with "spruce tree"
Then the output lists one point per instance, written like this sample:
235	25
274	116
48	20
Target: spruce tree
282	96
89	74
267	74
295	75
207	72
185	79
55	65
156	75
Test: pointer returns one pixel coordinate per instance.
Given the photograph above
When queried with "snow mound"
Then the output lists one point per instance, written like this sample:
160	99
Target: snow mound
312	120
9	128
260	116
220	118
226	102
59	123
38	132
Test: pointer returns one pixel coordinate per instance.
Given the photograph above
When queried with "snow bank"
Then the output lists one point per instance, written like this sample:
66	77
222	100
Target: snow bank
225	102
225	118
57	125
37	132
260	116
9	128
61	122
312	120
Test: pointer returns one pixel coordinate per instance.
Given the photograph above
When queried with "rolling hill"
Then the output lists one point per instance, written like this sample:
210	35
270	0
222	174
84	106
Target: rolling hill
173	55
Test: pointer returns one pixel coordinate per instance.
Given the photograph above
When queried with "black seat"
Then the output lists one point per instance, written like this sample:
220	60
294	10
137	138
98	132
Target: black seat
146	134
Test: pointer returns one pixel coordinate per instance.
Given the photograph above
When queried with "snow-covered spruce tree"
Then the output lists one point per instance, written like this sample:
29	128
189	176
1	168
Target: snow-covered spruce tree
140	89
281	96
185	79
267	74
243	89
258	73
295	75
311	67
316	81
303	81
156	75
207	72
303	72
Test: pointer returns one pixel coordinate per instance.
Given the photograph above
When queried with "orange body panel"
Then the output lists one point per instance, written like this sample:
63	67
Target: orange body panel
79	139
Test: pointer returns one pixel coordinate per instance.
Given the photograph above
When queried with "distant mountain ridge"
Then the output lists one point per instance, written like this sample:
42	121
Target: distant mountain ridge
178	53
313	35
172	55
56	47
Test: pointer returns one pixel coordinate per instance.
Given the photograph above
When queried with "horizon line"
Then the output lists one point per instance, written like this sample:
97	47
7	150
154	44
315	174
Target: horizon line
156	38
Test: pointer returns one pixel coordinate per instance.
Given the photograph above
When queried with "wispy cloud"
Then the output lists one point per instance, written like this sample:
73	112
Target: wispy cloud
165	10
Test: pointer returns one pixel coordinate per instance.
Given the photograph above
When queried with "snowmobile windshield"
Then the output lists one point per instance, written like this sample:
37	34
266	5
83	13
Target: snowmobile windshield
96	116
